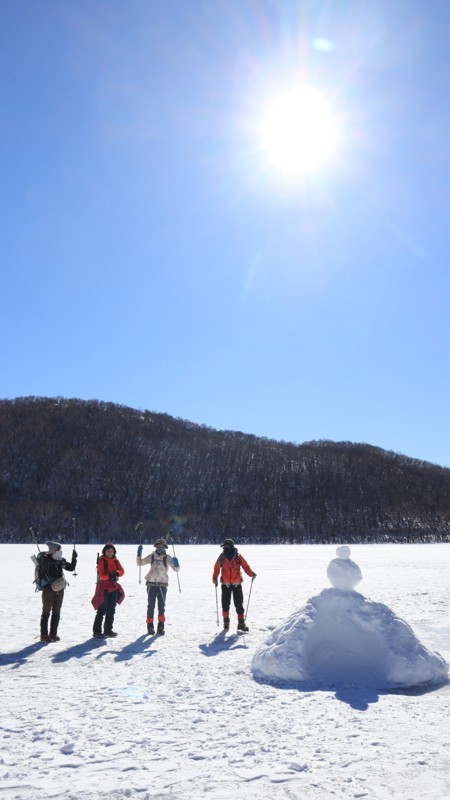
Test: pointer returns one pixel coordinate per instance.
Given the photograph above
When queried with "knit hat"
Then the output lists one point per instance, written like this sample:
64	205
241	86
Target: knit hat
53	546
160	543
106	548
228	543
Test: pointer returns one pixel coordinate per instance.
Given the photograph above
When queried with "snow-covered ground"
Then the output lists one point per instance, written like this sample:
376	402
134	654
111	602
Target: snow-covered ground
182	716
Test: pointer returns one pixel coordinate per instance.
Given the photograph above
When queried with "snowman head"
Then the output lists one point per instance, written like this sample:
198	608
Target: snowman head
343	551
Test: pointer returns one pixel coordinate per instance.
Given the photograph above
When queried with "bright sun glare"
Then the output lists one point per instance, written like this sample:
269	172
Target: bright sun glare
298	131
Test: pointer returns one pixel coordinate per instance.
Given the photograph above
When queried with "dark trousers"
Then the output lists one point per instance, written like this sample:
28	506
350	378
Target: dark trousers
51	603
234	589
156	592
107	610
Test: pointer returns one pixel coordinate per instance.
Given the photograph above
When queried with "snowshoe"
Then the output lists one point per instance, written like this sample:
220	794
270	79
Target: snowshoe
111	634
45	637
54	637
242	627
99	635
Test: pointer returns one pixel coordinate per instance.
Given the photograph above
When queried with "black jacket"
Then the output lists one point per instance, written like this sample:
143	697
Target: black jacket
54	569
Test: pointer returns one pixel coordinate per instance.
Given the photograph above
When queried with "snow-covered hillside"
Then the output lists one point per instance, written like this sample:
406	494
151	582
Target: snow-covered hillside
182	716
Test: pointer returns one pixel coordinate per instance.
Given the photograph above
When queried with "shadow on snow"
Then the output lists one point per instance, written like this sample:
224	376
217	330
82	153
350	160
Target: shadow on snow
21	656
220	643
358	697
78	650
138	647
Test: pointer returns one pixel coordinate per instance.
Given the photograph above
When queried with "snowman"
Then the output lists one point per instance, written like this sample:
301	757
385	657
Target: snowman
342	572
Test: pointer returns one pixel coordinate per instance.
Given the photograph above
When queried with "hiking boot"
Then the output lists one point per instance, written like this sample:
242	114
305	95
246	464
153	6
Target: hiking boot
242	626
110	633
54	637
226	624
150	628
45	637
160	629
98	635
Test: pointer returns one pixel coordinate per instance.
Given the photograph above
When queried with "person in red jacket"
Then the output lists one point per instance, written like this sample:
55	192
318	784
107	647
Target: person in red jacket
229	566
108	592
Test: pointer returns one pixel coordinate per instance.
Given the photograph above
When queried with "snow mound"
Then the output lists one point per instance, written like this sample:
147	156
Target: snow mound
340	638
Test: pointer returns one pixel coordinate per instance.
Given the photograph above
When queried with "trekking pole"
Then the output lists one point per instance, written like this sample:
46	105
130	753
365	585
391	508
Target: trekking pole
139	525
173	550
38	563
248	601
74	523
217	606
35	538
33	557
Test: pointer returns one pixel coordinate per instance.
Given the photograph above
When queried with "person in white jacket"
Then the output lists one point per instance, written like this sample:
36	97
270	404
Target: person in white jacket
157	582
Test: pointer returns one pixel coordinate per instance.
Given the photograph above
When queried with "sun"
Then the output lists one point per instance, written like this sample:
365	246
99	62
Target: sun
298	131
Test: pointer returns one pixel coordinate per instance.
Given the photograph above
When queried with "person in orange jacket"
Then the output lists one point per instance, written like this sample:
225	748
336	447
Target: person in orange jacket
108	592
229	566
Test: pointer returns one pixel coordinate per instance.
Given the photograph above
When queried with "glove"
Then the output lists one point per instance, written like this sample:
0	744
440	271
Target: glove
139	552
176	563
113	576
74	554
253	575
214	580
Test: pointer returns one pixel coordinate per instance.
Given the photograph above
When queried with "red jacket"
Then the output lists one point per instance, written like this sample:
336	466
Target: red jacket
101	589
107	565
231	570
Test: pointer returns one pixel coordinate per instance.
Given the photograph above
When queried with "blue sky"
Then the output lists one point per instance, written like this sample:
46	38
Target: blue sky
153	256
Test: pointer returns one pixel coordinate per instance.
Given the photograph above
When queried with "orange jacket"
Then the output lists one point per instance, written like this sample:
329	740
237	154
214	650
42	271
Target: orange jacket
107	565
231	570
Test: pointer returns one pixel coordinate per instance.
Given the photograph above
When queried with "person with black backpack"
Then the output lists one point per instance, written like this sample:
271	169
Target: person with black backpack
108	591
229	566
157	580
51	580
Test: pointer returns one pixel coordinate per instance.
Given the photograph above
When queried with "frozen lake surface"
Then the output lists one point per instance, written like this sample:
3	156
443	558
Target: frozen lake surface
183	717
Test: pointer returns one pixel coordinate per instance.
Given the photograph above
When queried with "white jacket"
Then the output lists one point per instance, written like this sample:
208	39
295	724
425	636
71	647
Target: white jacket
159	573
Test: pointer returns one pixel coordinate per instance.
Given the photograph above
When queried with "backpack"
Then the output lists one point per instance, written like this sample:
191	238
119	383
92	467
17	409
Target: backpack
41	573
222	558
164	559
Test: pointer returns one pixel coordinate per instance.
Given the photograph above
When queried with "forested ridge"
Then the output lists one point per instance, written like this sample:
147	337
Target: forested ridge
111	467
